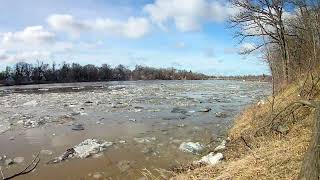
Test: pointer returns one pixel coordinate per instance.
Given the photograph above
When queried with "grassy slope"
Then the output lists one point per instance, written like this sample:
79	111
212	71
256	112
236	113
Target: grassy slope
271	154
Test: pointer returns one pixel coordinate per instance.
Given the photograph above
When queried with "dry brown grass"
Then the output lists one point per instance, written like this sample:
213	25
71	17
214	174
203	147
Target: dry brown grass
271	154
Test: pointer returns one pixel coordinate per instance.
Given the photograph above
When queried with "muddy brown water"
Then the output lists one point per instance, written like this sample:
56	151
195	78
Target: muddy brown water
117	111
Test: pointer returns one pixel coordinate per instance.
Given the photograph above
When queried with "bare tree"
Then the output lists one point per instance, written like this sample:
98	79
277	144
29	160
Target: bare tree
263	21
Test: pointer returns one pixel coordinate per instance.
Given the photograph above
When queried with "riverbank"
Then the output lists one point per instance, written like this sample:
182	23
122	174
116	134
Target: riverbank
252	78
268	139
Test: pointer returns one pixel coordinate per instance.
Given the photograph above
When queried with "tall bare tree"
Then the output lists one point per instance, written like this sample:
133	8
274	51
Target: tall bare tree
263	21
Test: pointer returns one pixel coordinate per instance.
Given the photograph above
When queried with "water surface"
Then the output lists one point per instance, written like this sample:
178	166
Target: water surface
118	111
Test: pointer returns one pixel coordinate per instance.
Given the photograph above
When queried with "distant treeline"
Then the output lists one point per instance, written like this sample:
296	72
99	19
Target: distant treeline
25	73
263	77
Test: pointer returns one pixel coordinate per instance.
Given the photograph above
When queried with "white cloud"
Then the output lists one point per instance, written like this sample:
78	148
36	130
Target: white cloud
31	43
209	52
32	35
220	12
230	50
61	46
66	22
134	27
264	27
187	15
247	47
24	56
2	51
244	48
90	45
33	38
180	45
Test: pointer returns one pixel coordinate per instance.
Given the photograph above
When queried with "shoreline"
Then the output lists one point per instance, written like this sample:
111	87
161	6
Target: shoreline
209	79
255	144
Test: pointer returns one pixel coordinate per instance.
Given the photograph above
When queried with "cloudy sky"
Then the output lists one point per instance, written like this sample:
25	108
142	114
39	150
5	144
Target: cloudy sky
186	34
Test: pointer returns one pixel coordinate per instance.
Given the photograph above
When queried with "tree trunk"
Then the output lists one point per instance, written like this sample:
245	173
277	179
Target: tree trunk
310	169
285	64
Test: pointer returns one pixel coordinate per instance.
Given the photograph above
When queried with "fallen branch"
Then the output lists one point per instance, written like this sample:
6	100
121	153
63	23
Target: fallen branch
311	104
34	162
245	142
302	102
310	168
312	87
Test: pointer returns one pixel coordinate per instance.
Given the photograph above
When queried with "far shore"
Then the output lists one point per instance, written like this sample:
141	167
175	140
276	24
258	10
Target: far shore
226	78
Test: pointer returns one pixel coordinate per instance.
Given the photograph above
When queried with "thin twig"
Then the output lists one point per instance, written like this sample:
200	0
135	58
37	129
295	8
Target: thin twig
34	162
245	142
301	102
312	87
304	83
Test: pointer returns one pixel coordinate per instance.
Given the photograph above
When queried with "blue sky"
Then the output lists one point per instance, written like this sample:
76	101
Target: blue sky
184	34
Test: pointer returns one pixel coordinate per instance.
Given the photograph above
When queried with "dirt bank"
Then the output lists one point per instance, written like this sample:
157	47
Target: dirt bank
268	140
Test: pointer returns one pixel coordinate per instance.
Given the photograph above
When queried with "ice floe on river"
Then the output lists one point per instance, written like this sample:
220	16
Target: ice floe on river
83	150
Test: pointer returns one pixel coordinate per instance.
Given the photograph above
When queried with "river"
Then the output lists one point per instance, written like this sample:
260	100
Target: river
145	120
